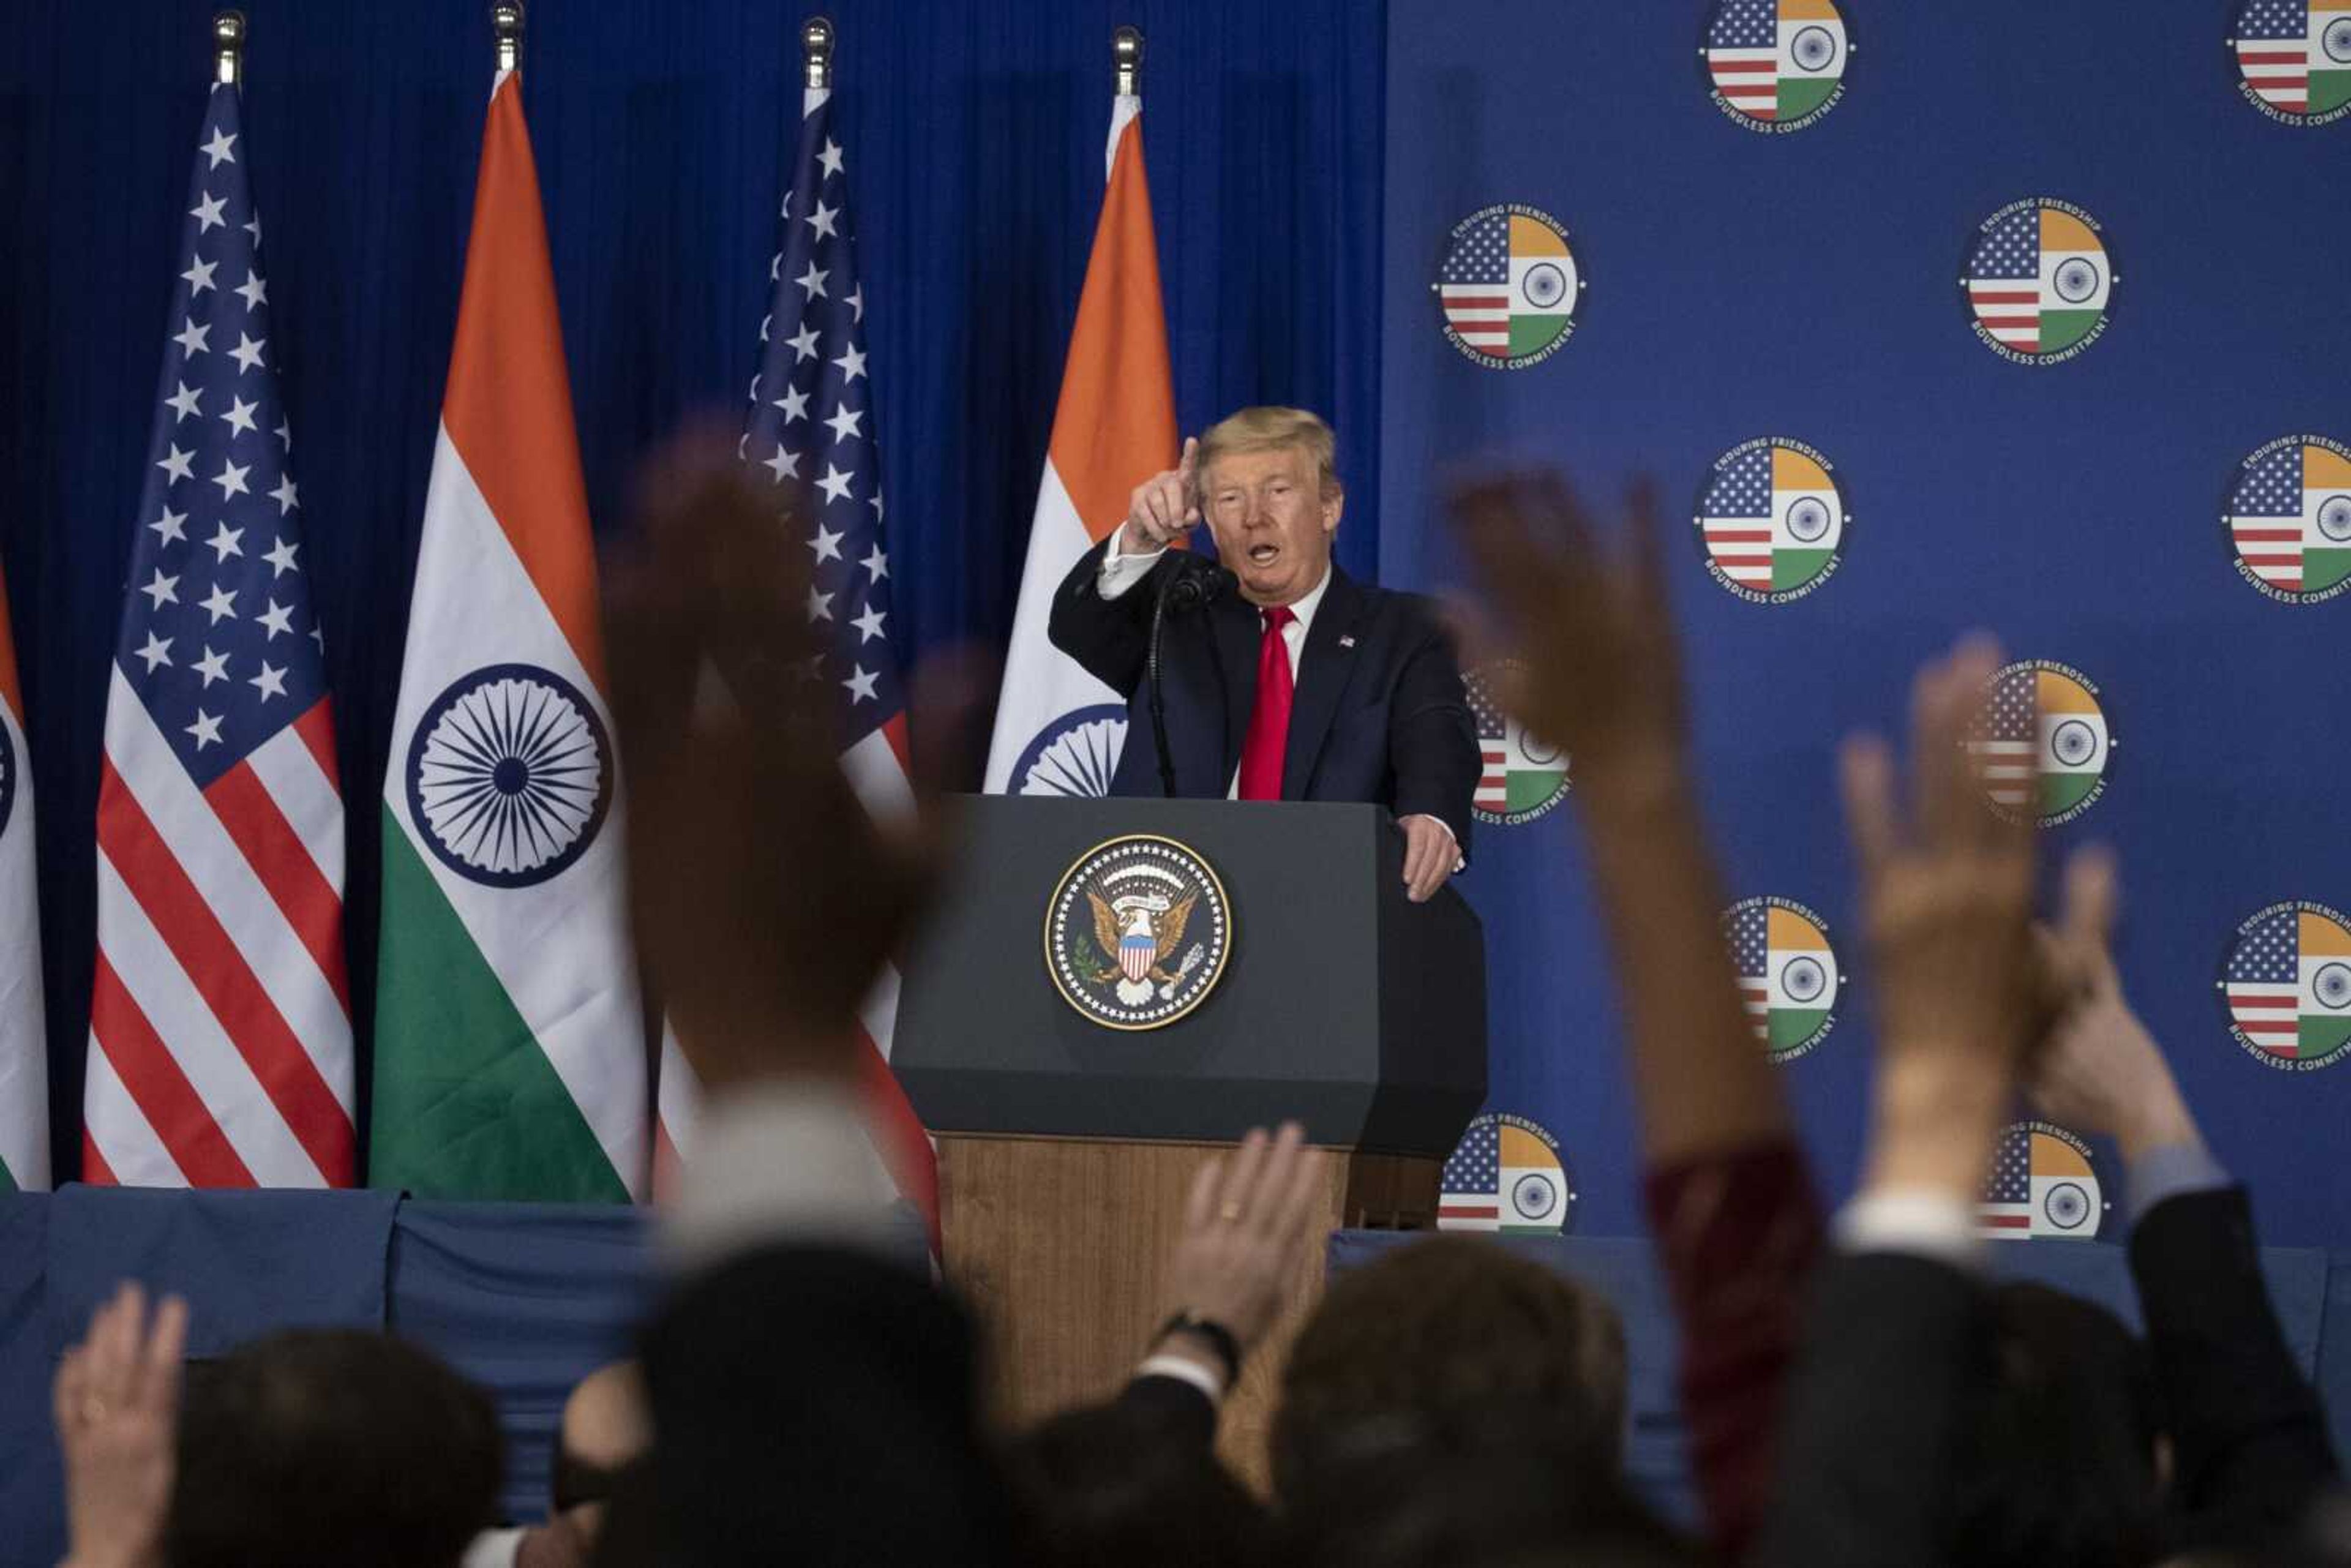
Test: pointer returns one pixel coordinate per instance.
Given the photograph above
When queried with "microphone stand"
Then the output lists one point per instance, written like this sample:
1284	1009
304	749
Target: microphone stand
1188	583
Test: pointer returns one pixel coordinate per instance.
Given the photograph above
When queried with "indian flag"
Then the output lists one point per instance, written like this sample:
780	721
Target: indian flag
510	1058
24	1044
2330	56
2074	742
1059	731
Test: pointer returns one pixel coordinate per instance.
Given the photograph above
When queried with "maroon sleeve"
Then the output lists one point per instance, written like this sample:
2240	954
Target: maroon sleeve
1738	1234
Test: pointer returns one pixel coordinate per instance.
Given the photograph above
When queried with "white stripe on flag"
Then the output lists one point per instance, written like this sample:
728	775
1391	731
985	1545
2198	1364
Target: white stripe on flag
280	960
215	1068
119	1129
312	805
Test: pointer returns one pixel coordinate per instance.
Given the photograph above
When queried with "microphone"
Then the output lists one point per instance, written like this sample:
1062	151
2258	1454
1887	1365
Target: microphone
1195	582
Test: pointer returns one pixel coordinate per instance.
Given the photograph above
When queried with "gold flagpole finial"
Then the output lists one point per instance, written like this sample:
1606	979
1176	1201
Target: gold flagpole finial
506	21
228	48
1126	59
816	52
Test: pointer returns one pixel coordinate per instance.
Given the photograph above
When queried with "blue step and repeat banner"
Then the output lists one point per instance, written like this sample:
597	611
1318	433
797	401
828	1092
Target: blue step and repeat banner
2013	315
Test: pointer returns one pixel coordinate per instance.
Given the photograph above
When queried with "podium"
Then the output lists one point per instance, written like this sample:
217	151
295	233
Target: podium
1070	1120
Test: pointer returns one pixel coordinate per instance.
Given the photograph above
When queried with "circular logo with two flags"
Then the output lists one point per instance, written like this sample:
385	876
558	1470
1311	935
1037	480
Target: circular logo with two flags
2043	1184
509	775
1138	932
2293	58
1505	1174
1771	520
2039	281
1787	973
1508	287
1521	775
2042	744
1776	65
2286	981
2288	518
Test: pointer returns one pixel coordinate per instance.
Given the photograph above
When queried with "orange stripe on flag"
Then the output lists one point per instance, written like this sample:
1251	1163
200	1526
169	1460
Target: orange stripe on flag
1115	424
508	406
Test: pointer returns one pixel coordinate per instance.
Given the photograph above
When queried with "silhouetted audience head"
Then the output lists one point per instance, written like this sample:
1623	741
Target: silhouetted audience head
1499	1486
2061	1464
1447	1330
330	1447
1105	1487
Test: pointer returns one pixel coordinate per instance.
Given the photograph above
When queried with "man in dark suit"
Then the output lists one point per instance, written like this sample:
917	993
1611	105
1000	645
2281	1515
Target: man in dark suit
1298	685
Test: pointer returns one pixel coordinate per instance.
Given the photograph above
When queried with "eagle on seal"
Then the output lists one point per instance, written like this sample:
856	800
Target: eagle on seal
1165	931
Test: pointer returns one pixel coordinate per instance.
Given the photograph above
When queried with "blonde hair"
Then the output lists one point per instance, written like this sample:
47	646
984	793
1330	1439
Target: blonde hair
1267	429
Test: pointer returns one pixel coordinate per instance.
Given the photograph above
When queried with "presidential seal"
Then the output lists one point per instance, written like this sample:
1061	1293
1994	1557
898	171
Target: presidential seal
2287	983
2042	745
1521	775
1771	520
1787	973
2289	519
1776	65
2039	281
2043	1184
1138	932
1508	287
1507	1174
2293	58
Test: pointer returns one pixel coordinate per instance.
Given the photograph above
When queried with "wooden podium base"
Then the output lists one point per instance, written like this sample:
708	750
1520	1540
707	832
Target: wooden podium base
1060	1243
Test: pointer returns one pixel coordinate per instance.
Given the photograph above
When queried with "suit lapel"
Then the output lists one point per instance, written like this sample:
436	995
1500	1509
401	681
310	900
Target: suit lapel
1238	631
1323	670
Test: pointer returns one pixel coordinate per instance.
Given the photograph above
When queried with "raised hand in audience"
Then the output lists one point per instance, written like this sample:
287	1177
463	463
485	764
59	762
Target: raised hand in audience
765	897
117	1399
1248	1222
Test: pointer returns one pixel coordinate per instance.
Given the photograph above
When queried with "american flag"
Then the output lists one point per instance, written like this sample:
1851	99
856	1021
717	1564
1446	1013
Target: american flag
2007	734
2274	52
1470	1191
1736	511
220	1037
2004	280
1475	286
2264	983
811	427
1748	927
1742	56
1493	793
2265	517
2005	1212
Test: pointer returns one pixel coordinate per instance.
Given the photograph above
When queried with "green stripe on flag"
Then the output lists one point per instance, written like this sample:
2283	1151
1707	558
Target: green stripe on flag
1801	95
1791	1027
7	1180
2064	329
2328	90
1532	334
2321	1034
466	1104
1524	789
2323	569
2064	791
1795	568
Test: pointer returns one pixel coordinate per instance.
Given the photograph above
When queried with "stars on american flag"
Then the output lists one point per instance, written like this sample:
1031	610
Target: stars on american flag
1483	254
2271	488
1745	25
218	640
1742	488
811	422
2011	248
2274	19
2271	953
1476	1163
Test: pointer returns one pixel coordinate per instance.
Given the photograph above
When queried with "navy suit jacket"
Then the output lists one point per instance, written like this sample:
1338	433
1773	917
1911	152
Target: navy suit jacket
1379	715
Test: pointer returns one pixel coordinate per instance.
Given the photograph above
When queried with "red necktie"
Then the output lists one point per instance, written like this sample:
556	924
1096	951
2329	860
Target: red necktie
1269	730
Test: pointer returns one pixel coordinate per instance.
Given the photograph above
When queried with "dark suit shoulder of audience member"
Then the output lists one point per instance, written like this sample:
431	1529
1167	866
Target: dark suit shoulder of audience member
2250	1452
819	1405
1134	1483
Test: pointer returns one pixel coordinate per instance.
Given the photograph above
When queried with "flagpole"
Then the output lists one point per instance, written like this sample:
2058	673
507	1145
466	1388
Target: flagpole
1126	59
506	21
816	49
228	48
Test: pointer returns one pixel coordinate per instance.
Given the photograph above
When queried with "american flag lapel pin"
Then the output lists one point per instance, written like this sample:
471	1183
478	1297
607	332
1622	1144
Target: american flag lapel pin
1346	639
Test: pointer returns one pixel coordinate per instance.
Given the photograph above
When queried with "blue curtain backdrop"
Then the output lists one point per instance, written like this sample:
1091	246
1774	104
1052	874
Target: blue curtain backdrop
974	130
1805	284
